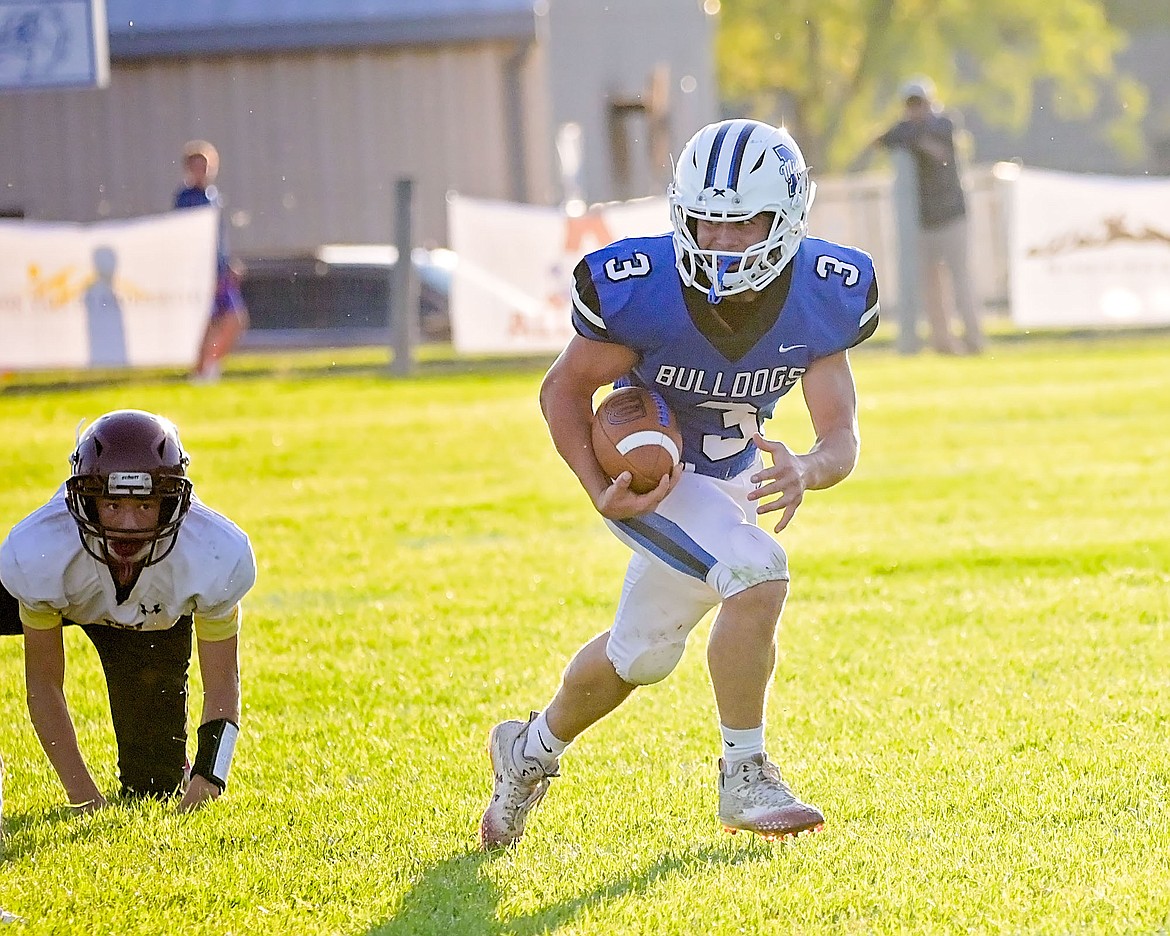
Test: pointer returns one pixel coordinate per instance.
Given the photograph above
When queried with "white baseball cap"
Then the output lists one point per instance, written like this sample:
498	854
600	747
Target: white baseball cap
920	87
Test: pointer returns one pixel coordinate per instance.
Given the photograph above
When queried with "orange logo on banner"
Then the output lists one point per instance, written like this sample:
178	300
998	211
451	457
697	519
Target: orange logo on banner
53	289
592	225
583	233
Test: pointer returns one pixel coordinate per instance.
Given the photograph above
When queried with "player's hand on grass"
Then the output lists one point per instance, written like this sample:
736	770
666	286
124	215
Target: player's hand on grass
199	791
618	502
783	482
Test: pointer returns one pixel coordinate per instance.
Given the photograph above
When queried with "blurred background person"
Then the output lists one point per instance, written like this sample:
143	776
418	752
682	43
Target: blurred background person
229	314
928	134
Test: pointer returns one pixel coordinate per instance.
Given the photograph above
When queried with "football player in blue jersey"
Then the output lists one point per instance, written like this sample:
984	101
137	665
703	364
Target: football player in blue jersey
721	317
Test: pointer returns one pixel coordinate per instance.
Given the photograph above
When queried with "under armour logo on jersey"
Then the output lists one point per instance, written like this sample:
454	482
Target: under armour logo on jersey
157	609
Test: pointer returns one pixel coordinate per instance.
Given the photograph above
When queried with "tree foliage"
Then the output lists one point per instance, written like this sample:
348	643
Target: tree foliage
830	69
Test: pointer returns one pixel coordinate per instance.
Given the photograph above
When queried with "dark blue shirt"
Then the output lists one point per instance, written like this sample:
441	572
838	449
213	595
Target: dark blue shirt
195	198
940	191
191	197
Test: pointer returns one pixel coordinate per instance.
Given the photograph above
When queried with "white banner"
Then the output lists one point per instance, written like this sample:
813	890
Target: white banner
510	290
1089	250
112	294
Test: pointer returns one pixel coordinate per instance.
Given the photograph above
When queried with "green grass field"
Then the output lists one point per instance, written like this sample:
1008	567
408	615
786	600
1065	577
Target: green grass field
973	681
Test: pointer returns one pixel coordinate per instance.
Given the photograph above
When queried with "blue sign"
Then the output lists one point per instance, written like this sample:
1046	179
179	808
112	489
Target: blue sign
53	44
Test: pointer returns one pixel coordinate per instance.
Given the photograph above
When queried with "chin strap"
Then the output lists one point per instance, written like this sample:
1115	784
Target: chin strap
724	264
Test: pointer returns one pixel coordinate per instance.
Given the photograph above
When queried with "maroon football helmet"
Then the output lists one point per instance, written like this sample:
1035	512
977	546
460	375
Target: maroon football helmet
129	453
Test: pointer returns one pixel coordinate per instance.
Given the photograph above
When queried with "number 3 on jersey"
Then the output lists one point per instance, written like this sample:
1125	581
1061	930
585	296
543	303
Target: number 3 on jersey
742	416
638	265
827	265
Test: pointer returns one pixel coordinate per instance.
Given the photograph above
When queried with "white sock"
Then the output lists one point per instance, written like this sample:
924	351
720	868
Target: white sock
740	744
541	744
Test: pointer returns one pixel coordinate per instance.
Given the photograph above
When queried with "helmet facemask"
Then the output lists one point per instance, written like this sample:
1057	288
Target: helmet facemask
102	541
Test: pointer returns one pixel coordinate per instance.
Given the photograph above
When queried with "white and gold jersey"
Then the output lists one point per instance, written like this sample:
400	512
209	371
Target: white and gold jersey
45	567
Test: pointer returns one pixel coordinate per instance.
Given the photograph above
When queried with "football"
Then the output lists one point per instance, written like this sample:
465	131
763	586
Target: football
635	431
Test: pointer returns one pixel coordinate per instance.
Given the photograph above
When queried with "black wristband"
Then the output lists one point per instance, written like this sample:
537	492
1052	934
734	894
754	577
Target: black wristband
213	757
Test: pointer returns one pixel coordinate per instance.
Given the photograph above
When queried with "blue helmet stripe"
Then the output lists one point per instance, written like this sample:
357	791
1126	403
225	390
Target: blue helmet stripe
737	156
713	159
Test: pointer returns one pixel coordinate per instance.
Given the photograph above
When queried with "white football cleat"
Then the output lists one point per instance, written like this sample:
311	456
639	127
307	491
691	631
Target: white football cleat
520	783
754	798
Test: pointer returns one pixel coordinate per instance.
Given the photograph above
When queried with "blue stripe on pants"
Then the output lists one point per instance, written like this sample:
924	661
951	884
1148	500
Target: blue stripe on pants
668	541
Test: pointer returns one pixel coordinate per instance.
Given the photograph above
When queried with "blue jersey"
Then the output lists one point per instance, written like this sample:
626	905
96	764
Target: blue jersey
192	197
723	384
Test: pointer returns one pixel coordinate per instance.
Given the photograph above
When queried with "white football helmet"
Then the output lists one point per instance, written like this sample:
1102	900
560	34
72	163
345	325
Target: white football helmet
731	171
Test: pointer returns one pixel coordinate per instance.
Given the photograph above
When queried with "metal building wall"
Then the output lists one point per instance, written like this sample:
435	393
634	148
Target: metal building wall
601	52
311	143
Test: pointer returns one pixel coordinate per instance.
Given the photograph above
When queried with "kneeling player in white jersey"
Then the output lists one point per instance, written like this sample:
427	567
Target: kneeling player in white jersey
722	318
127	552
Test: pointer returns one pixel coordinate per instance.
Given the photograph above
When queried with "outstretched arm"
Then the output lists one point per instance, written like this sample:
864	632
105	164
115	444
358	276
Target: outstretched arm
914	136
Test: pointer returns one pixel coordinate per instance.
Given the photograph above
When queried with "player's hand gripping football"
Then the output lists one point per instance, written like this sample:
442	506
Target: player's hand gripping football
783	481
618	502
